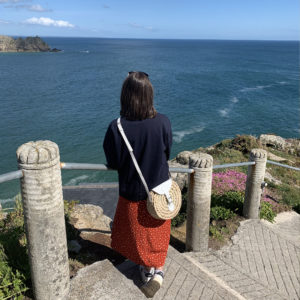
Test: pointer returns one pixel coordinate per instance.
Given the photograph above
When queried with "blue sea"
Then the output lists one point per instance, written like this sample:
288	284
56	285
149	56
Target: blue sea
210	90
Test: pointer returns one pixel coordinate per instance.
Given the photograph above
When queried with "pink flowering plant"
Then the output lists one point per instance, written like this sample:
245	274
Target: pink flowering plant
228	181
228	191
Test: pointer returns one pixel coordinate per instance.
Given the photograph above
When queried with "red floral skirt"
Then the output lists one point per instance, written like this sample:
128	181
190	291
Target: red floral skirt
138	236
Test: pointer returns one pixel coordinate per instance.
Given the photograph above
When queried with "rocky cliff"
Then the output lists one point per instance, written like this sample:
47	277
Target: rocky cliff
29	44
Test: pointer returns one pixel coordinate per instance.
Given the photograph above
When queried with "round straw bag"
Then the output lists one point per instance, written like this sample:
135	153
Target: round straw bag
157	205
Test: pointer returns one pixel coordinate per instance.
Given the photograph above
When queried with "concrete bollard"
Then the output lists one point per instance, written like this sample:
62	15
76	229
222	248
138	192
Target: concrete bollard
255	178
198	206
44	219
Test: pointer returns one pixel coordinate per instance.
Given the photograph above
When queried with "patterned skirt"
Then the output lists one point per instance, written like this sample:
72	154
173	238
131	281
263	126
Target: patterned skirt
138	236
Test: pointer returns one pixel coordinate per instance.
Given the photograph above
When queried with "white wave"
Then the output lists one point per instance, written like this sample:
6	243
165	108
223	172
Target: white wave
84	51
234	100
2	201
224	112
76	180
179	135
282	82
258	87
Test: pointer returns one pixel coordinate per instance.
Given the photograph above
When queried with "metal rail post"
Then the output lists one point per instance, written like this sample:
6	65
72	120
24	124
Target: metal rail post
255	178
44	219
198	206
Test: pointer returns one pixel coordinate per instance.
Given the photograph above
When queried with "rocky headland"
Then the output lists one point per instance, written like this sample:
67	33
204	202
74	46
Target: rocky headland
28	44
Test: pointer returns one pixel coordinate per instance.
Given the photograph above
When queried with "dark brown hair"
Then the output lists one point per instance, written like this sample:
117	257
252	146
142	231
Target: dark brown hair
137	97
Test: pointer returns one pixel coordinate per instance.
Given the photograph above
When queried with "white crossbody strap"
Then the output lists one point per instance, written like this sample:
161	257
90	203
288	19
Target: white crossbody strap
132	155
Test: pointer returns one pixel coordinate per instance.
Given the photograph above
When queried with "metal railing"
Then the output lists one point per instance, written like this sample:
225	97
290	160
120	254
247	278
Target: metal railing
282	165
10	176
102	167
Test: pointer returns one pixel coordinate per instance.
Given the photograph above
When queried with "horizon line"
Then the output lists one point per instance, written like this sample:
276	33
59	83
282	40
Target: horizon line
139	38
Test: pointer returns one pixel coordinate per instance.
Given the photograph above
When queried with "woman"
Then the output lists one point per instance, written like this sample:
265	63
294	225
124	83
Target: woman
135	233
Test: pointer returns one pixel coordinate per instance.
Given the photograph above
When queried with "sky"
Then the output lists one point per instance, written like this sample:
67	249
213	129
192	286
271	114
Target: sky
156	19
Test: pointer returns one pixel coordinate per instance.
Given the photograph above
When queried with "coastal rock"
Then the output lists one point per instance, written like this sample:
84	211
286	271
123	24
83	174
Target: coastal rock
183	157
7	44
29	44
291	146
274	157
272	179
180	178
91	223
273	141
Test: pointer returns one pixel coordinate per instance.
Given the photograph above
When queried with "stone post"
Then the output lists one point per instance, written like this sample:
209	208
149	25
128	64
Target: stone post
255	178
198	205
44	219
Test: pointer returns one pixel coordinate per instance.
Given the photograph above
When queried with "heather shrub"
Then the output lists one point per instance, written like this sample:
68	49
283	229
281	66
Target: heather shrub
221	213
232	200
266	211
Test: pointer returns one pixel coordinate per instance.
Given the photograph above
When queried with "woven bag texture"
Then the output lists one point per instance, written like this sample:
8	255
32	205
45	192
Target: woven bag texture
157	205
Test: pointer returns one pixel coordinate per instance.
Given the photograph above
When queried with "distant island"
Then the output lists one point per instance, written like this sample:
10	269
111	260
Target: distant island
29	44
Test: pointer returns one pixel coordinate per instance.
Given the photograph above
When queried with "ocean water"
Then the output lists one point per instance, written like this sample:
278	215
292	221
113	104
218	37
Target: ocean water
210	90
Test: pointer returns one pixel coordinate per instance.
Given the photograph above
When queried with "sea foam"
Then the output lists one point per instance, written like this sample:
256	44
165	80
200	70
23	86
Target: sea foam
224	112
256	88
234	100
76	180
179	135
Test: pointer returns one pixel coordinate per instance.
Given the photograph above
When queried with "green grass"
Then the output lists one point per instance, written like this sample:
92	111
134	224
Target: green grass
15	277
14	265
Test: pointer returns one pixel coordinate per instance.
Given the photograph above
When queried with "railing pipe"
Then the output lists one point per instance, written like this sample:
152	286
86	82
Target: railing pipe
10	176
102	167
83	166
248	163
181	170
282	165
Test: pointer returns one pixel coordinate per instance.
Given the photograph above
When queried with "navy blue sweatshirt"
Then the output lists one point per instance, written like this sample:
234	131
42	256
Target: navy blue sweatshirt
151	140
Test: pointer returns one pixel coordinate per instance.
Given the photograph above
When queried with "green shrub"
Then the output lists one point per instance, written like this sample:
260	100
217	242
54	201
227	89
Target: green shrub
266	212
215	232
12	284
232	200
14	265
72	233
221	213
181	217
245	143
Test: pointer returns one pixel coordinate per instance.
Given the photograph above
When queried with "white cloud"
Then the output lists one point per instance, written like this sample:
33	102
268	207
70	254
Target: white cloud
4	22
38	8
10	1
135	25
35	7
48	22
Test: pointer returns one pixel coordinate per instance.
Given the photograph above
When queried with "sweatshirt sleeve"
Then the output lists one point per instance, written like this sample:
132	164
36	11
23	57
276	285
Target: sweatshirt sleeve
110	146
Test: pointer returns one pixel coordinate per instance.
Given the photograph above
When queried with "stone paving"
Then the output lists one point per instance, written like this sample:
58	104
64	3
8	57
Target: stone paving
263	262
268	255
